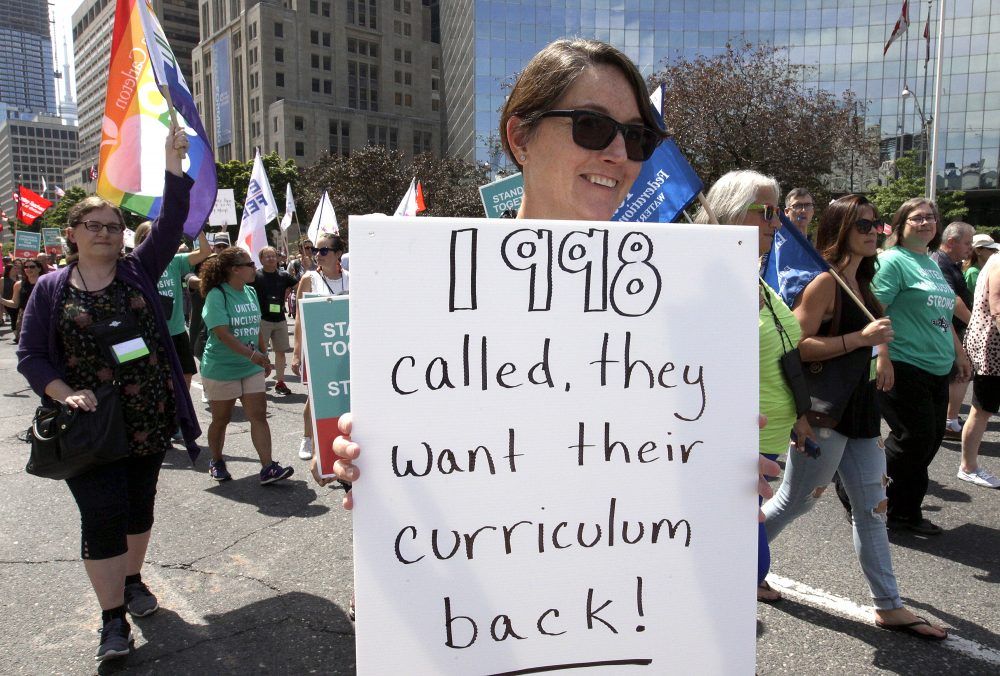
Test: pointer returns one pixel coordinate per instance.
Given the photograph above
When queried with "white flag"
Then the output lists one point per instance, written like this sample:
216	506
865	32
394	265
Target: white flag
45	186
289	208
258	210
413	201
60	192
324	220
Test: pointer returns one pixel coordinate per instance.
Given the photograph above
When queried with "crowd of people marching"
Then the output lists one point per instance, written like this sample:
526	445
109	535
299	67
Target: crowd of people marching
894	332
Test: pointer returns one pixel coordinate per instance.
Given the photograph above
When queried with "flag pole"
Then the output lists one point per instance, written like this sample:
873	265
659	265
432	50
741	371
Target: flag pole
939	59
708	208
850	292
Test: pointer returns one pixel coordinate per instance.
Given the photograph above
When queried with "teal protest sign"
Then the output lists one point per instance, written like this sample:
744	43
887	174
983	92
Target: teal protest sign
326	350
51	237
27	244
502	195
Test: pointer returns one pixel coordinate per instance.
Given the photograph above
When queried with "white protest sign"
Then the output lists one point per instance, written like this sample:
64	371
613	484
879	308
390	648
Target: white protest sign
559	447
224	211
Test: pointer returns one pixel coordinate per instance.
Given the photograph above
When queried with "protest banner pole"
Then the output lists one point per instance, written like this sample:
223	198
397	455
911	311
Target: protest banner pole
851	294
708	208
165	90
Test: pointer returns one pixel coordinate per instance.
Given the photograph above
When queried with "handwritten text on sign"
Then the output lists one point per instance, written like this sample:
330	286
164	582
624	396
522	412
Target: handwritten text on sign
559	434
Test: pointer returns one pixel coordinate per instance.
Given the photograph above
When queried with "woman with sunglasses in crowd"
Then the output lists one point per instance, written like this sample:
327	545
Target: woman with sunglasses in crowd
578	124
31	271
328	279
234	363
750	198
837	338
12	274
66	357
915	295
302	264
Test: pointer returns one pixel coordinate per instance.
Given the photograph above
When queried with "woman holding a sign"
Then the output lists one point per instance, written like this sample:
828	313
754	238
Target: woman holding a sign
578	124
235	364
328	279
837	342
95	323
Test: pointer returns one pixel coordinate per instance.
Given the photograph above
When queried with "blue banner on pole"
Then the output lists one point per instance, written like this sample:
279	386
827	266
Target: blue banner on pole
666	185
792	263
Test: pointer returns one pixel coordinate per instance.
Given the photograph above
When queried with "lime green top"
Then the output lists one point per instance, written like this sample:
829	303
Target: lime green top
238	310
171	285
971	276
920	303
776	400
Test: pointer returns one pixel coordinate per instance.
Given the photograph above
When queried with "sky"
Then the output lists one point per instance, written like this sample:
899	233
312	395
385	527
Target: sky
62	12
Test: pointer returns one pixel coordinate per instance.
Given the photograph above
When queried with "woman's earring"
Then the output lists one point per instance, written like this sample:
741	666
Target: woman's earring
523	158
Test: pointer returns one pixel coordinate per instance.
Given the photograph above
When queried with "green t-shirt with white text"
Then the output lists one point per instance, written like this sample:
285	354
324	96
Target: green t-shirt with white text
171	285
238	310
920	303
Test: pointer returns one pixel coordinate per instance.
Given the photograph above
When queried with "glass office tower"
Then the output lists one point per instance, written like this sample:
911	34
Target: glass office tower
486	42
26	73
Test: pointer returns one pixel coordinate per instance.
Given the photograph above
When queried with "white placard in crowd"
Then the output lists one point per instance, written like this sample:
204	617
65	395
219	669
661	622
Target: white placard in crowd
224	211
559	434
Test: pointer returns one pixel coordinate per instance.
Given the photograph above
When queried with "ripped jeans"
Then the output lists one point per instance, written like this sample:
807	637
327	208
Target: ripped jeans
861	466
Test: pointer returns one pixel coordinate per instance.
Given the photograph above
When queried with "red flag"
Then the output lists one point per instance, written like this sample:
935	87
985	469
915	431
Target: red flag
420	198
901	25
927	38
30	205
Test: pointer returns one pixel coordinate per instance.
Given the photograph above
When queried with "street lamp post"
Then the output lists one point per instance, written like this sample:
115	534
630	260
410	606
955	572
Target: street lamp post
924	124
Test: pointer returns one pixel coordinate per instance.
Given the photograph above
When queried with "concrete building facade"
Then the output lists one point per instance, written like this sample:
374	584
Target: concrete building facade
307	77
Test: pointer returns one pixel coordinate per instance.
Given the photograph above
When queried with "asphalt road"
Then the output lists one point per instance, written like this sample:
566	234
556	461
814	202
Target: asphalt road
258	580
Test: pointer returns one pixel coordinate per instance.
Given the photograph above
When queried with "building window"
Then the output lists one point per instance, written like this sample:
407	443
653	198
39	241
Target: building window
279	54
408	100
362	13
327	63
325	7
275	125
326	39
397	54
407	56
315	84
314	60
300	149
352	45
300	123
398	77
327	86
408	79
314	37
279	29
435	63
435	105
435	84
313	7
279	79
398	98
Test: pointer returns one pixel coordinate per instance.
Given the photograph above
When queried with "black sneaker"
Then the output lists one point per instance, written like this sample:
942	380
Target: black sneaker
217	470
275	472
139	601
116	640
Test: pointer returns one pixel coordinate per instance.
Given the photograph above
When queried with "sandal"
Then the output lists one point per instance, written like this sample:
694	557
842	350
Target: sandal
765	587
910	628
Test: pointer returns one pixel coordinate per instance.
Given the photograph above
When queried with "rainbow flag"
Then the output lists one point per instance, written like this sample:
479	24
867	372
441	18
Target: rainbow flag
137	119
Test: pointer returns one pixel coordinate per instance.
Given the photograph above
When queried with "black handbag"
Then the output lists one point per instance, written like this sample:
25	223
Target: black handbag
832	382
66	442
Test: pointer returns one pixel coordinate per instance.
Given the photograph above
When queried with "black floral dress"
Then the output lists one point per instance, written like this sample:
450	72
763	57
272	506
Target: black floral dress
146	387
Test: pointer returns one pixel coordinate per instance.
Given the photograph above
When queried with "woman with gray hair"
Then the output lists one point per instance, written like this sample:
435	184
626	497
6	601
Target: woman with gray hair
750	198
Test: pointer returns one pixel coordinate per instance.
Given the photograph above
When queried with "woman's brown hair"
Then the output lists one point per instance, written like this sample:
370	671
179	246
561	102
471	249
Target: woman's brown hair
215	270
903	212
832	241
550	74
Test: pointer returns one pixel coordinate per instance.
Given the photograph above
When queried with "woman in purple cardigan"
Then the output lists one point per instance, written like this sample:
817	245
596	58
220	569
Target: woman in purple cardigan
60	356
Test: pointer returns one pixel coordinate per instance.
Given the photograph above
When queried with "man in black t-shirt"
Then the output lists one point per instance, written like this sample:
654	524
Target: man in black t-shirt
955	247
273	286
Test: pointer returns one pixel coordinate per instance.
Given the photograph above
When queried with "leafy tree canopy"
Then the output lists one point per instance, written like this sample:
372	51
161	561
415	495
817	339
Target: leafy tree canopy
748	108
911	182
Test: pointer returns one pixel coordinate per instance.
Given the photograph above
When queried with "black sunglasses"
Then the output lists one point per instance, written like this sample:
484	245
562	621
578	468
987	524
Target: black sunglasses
596	131
323	250
864	226
31	266
248	264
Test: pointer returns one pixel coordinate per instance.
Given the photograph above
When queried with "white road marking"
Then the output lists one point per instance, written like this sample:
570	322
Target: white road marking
847	608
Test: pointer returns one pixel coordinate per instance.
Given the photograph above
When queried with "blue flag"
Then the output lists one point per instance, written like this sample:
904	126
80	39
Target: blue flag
666	184
792	263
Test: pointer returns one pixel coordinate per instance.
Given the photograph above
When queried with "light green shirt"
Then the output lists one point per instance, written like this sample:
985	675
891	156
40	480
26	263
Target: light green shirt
971	277
171	285
920	303
238	310
776	400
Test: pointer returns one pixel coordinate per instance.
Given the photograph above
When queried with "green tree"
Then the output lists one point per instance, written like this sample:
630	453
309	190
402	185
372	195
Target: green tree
373	179
55	217
236	175
749	108
911	182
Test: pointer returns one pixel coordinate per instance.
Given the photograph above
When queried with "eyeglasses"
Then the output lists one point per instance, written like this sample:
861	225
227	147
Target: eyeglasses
95	226
596	131
323	250
307	249
248	264
864	226
920	219
802	206
31	267
769	210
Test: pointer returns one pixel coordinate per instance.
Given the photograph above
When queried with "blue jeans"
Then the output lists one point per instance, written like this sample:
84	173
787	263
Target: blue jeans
861	466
